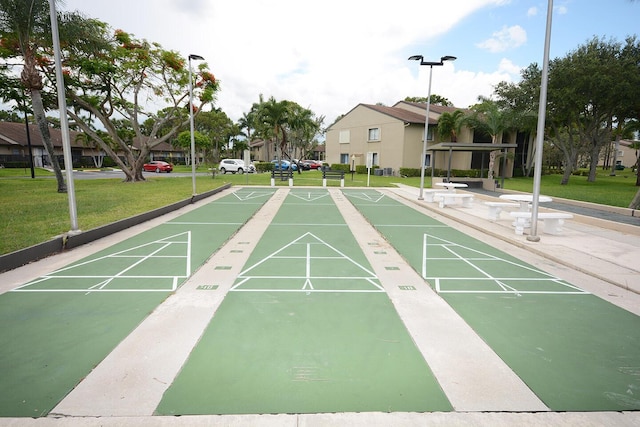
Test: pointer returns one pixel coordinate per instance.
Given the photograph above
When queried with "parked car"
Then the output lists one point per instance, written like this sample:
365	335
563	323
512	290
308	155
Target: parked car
235	165
284	165
157	167
312	164
302	164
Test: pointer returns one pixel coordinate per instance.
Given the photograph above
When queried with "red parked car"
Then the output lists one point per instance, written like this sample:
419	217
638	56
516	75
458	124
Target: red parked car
157	167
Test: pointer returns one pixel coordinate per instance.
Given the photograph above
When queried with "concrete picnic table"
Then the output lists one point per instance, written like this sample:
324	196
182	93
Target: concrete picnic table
451	186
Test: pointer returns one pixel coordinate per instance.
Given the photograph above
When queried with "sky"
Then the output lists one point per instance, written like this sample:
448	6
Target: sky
329	56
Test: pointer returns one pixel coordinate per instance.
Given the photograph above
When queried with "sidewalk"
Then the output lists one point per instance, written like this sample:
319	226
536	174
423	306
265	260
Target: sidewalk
599	256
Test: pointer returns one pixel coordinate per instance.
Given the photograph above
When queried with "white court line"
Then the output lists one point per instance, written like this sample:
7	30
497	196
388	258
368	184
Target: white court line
308	278
304	224
100	287
367	197
311	197
308	291
506	289
200	223
251	195
413	225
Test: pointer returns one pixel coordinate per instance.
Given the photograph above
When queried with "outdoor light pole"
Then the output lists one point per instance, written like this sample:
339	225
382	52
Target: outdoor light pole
542	111
193	141
426	117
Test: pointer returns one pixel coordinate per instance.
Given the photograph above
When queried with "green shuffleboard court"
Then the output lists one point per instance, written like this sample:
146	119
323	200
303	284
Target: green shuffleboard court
57	328
306	328
575	351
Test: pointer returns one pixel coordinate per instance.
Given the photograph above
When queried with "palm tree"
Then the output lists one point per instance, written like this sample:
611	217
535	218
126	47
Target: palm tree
275	114
25	26
487	116
449	125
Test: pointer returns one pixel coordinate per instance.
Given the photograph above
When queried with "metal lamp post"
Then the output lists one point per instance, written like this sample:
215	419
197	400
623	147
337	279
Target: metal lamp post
426	118
193	141
542	111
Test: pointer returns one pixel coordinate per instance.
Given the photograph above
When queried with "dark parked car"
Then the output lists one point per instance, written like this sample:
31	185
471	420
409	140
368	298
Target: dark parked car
311	164
157	167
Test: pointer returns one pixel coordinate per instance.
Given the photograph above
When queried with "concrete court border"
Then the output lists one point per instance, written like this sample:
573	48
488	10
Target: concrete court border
484	226
360	419
122	385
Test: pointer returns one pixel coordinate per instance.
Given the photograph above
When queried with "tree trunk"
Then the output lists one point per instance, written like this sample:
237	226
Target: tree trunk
593	164
43	126
635	203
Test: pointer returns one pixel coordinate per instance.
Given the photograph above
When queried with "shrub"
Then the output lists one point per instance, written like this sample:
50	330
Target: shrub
263	166
340	167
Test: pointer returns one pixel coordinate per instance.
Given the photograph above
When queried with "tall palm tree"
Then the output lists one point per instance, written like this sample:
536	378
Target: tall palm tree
449	125
275	114
25	27
487	116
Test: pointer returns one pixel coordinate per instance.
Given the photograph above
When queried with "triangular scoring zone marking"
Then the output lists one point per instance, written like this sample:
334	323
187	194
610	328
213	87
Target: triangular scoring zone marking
485	276
242	196
367	197
138	258
309	197
306	280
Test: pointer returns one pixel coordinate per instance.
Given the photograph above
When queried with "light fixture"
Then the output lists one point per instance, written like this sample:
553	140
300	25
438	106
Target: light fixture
426	117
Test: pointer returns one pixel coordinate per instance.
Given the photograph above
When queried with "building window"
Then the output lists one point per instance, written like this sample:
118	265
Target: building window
345	137
429	135
374	134
344	158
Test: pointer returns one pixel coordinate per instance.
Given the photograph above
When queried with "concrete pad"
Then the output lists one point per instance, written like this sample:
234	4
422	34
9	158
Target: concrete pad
472	376
132	379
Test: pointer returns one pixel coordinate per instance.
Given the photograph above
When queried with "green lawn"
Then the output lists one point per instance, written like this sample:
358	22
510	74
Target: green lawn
34	212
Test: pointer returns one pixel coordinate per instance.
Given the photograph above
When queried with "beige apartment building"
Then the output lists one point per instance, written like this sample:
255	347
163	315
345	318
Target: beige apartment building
394	136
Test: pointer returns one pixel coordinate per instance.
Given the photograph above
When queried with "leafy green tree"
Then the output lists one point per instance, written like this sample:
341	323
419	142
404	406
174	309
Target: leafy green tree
200	141
522	99
585	91
220	130
121	78
435	100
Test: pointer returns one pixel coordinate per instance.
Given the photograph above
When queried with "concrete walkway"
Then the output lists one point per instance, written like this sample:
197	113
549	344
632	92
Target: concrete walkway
124	389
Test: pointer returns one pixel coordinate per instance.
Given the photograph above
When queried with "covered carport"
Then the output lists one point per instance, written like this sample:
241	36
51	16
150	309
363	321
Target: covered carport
450	147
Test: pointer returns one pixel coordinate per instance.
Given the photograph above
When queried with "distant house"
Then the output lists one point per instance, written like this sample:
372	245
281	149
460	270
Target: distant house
14	147
395	135
627	155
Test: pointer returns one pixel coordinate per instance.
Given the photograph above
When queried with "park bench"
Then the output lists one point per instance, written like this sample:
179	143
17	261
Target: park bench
449	198
495	208
332	174
553	221
282	175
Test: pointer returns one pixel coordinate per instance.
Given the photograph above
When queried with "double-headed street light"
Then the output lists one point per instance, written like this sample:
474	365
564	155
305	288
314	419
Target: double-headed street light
193	141
426	117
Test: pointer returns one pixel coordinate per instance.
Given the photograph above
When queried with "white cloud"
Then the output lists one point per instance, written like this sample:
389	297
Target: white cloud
533	11
328	56
561	10
509	67
506	38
